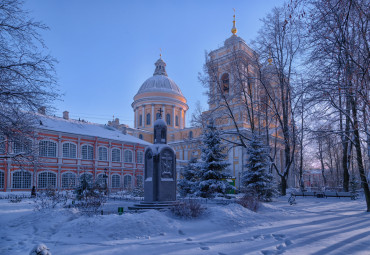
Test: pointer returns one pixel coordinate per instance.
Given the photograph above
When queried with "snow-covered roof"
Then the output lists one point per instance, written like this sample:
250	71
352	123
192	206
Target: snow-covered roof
159	83
86	129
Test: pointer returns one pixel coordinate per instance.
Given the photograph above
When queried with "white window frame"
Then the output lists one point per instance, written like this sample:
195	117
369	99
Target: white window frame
116	156
50	177
69	150
126	156
89	152
103	155
22	181
23	146
48	149
71	179
142	181
128	184
116	181
141	153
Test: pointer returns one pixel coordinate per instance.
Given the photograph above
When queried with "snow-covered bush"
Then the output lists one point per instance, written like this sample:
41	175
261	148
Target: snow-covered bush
49	199
188	209
250	202
188	184
353	184
211	172
91	196
257	179
40	249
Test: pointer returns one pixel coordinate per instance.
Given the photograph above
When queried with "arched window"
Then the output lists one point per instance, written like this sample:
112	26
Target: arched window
46	180
103	153
140	120
87	152
168	119
139	181
116	155
141	136
148	119
116	181
225	83
190	134
68	180
2	180
48	149
127	156
21	180
177	120
127	181
69	150
22	146
140	157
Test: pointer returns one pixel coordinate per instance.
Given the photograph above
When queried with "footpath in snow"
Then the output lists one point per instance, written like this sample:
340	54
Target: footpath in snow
312	226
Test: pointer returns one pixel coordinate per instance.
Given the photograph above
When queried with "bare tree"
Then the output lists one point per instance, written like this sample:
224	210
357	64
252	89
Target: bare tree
27	75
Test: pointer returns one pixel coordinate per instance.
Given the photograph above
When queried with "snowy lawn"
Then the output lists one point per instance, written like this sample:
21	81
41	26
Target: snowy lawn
312	226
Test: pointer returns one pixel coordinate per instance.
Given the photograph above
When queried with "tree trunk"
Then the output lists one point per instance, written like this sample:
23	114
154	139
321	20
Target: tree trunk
283	185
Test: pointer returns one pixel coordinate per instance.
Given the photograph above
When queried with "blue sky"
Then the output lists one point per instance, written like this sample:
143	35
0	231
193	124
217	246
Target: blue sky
107	49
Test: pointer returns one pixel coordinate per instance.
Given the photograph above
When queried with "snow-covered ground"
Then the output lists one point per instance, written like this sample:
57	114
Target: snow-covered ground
312	226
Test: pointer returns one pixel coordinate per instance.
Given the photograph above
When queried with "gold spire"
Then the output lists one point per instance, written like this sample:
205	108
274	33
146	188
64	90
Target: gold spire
233	29
160	53
270	58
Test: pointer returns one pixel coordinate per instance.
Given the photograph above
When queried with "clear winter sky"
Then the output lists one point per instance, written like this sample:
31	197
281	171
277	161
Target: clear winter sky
107	49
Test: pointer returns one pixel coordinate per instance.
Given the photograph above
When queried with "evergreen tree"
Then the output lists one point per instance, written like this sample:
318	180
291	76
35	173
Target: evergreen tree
353	184
257	179
187	185
211	170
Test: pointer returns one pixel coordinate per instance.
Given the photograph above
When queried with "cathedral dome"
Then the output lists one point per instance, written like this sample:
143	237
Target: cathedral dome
160	82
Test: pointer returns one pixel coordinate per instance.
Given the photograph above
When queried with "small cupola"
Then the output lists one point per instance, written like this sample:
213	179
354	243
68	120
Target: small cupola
160	67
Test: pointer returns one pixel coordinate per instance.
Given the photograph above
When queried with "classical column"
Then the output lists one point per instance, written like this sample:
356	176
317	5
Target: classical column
181	120
136	118
173	116
143	115
153	119
164	113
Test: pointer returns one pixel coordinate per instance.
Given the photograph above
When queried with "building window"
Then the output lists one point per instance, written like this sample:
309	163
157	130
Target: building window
127	181
87	152
128	156
103	153
139	181
148	119
190	134
157	116
47	180
68	180
69	150
141	136
116	181
140	120
48	149
116	155
225	83
177	120
23	146
168	119
21	180
2	180
2	145
140	157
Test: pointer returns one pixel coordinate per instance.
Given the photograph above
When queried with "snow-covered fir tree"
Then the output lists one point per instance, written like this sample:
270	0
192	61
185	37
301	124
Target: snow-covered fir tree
211	170
187	185
257	179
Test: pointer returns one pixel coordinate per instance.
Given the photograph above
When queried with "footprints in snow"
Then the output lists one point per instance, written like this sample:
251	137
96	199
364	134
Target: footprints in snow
280	248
